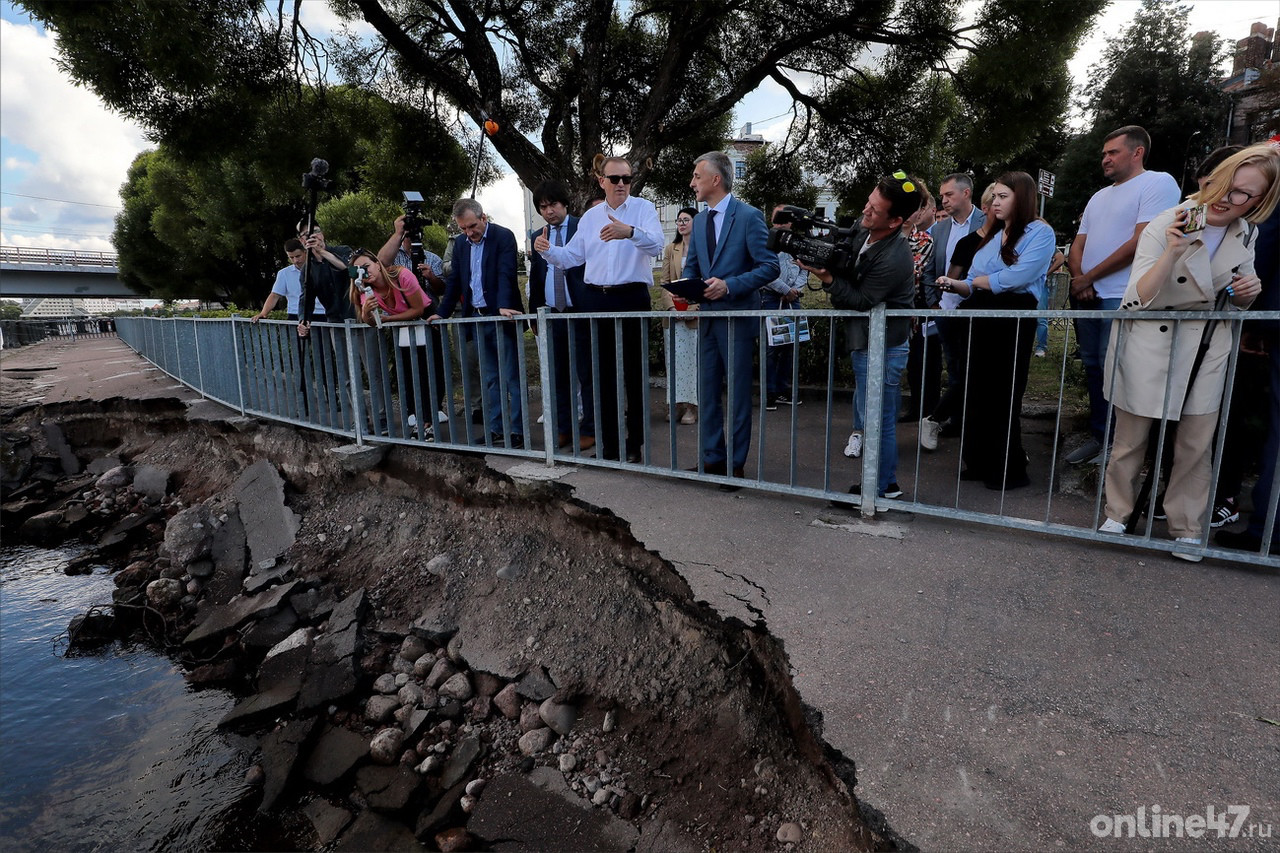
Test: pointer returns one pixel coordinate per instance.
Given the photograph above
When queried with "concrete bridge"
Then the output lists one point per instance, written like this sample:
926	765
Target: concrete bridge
60	273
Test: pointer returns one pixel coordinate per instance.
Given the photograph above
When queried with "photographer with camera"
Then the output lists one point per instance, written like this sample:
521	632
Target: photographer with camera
782	294
880	272
324	283
404	248
288	284
391	294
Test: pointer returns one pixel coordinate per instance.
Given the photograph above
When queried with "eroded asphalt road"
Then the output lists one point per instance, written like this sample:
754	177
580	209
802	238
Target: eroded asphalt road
998	690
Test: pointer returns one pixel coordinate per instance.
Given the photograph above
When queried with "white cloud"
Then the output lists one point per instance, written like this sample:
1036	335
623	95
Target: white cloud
20	213
50	240
83	150
503	202
321	22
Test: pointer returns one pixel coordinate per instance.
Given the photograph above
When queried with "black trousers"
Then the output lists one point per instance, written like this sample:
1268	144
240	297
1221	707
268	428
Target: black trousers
633	341
999	358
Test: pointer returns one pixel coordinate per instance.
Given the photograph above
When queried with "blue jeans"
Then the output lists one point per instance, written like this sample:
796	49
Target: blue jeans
1042	324
1093	337
895	362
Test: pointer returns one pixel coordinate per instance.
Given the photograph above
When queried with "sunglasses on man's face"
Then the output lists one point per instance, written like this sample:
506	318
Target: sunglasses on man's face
613	179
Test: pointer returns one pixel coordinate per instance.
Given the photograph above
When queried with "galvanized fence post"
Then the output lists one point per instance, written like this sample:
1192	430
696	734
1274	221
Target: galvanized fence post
235	353
195	336
546	355
357	393
875	410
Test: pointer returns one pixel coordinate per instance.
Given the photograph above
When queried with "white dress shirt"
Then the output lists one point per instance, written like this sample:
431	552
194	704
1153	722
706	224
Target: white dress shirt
617	261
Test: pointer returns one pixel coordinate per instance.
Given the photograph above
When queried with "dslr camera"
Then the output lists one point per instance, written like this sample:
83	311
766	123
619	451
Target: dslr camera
811	239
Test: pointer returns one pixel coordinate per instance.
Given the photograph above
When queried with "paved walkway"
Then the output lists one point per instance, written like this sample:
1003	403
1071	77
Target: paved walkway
998	690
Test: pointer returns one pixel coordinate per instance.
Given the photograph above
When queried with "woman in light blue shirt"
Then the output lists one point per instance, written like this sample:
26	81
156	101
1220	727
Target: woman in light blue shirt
1008	272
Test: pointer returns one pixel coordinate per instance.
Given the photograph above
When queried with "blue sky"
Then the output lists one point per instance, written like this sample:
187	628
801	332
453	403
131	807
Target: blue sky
63	156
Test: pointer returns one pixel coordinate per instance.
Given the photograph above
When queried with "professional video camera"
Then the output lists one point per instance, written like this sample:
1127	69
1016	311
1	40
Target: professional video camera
812	240
414	221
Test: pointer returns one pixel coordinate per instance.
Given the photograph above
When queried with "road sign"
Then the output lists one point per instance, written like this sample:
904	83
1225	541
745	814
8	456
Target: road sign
1046	183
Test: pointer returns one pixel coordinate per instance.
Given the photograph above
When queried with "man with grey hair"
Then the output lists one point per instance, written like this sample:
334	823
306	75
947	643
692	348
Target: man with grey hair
730	252
955	195
483	279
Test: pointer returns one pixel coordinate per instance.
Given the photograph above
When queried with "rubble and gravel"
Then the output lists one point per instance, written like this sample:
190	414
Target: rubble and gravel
415	641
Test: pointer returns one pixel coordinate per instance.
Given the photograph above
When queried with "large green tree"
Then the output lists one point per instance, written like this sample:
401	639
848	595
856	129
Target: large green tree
974	103
225	92
1156	75
775	176
211	226
567	79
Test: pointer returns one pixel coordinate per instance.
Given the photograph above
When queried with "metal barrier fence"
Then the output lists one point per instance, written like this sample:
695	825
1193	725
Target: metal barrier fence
56	257
19	333
502	386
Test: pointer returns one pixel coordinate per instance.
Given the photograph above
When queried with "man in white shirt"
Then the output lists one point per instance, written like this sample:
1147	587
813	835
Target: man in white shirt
1102	253
617	241
288	284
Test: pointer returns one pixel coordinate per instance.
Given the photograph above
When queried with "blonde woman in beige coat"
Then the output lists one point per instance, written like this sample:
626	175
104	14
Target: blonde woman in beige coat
1149	361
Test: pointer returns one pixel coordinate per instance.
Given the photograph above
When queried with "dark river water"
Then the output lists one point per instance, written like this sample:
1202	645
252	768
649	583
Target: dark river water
109	750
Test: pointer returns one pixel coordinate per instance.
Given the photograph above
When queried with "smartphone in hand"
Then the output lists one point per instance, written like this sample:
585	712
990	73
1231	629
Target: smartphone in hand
1196	219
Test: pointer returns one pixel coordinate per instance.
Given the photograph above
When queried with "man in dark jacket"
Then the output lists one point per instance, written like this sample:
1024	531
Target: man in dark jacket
482	280
561	292
881	274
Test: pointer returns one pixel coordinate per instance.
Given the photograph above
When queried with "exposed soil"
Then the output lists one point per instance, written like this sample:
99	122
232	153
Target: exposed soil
710	732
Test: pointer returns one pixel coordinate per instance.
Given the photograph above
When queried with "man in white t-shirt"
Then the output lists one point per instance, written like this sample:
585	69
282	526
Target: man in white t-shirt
1102	253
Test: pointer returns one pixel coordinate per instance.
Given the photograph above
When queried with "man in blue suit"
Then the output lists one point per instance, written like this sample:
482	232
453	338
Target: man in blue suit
483	279
560	291
963	218
729	252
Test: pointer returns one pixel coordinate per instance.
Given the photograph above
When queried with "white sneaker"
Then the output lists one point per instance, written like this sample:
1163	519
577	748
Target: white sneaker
929	429
1111	526
1187	555
854	448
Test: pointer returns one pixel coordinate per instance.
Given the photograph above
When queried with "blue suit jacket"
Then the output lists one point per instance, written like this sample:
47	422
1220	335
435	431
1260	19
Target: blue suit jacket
538	271
501	290
742	257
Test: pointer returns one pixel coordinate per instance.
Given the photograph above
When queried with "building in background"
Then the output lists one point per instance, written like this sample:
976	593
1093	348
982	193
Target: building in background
1254	86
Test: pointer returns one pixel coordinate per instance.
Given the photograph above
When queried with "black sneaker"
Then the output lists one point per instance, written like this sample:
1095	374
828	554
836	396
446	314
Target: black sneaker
516	441
771	404
892	491
1241	540
1224	513
786	400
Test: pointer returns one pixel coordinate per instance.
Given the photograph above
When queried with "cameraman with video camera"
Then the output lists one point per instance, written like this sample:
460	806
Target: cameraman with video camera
877	270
